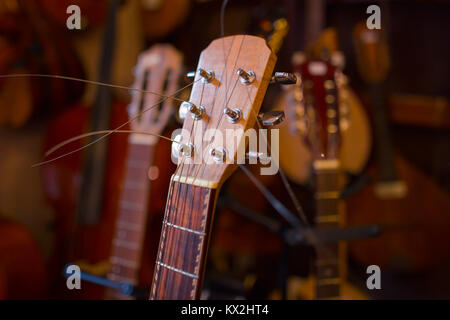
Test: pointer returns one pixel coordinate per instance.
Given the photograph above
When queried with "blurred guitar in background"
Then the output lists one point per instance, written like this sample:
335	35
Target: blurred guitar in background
84	188
23	273
317	91
295	156
411	209
147	170
30	44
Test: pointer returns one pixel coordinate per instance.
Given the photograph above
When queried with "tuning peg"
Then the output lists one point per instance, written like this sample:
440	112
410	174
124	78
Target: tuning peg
255	156
271	118
183	111
207	76
284	78
196	112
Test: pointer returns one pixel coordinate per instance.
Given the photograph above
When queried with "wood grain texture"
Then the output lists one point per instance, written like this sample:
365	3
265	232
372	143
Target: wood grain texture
190	205
225	56
158	70
184	239
328	275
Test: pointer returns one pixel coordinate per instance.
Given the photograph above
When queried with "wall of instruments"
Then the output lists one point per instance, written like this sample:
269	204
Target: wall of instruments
209	149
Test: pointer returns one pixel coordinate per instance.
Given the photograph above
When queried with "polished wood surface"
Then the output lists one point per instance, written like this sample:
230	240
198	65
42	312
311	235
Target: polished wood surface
158	70
409	207
223	56
184	240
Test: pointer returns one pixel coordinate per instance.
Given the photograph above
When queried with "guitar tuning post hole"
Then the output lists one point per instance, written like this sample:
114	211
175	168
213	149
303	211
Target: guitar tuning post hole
233	115
246	77
218	154
186	150
197	112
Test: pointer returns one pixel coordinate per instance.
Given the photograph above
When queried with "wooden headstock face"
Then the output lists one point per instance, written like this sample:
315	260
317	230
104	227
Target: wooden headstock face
215	152
372	53
158	70
318	107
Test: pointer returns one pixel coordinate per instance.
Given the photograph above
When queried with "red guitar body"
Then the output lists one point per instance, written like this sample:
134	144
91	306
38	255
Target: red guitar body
62	180
22	267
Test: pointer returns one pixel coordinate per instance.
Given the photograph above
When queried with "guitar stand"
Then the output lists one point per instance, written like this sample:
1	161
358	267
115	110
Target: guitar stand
124	288
297	235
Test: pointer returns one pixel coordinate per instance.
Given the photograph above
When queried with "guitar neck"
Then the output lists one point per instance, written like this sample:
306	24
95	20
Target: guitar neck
384	145
328	273
184	240
91	193
128	240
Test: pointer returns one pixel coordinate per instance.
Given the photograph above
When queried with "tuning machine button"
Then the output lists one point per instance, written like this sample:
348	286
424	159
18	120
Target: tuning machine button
271	118
233	115
206	75
284	78
254	156
196	112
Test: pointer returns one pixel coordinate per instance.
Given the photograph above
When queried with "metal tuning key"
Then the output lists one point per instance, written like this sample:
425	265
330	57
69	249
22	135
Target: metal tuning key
233	115
196	112
284	78
271	118
246	77
207	75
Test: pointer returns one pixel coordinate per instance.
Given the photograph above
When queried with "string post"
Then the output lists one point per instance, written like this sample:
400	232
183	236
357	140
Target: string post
207	76
197	112
186	150
218	154
246	77
233	115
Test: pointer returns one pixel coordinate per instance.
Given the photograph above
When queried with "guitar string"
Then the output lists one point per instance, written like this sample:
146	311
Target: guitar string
173	212
170	210
193	167
314	237
93	133
212	110
224	72
225	103
281	172
174	200
220	119
162	242
183	212
92	82
161	254
114	130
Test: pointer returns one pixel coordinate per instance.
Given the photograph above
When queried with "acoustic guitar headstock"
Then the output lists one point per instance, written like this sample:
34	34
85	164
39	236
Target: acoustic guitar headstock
158	70
230	83
372	53
317	110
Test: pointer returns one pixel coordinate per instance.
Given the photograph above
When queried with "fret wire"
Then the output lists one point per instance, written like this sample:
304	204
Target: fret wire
126	244
177	270
184	229
123	262
327	261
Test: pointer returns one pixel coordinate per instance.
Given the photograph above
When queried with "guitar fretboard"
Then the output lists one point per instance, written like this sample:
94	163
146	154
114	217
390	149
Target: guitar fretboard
327	215
128	240
184	240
